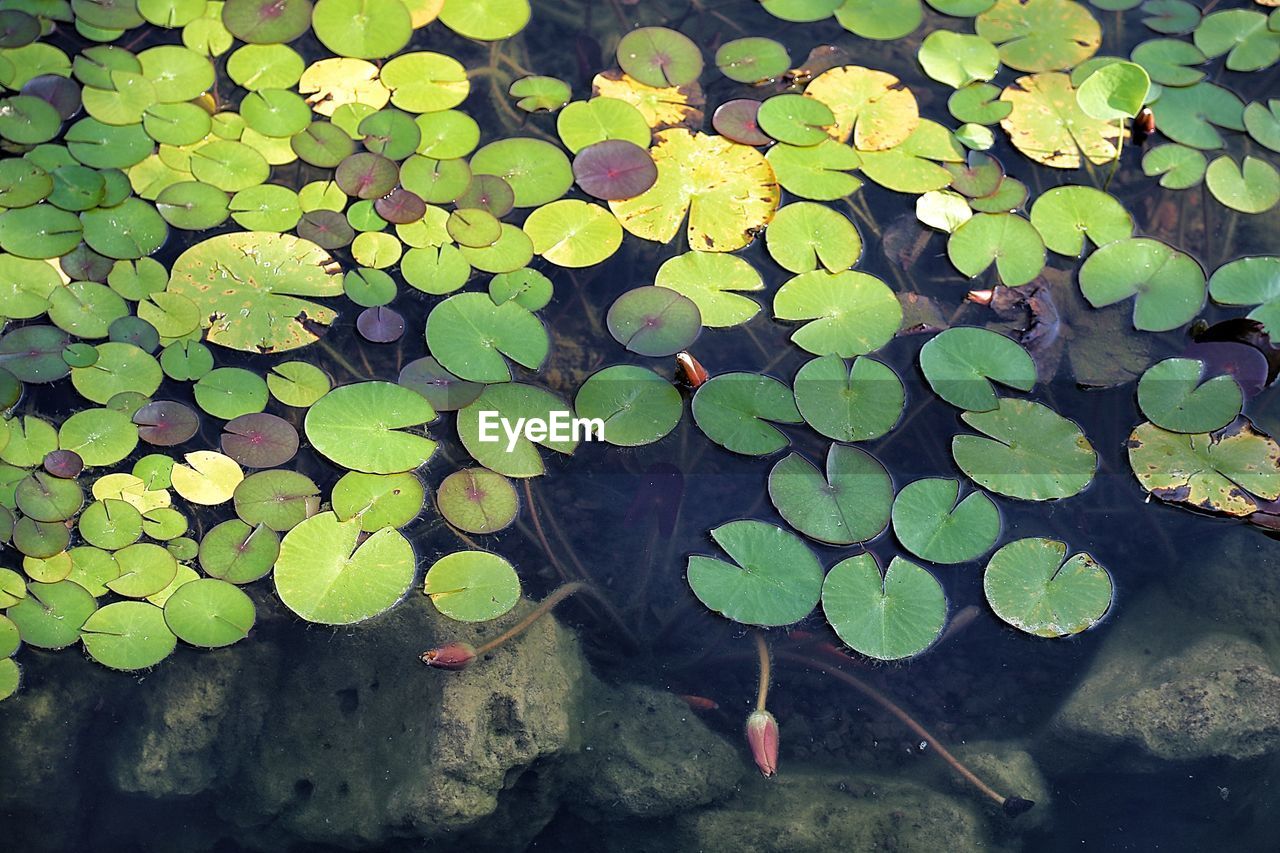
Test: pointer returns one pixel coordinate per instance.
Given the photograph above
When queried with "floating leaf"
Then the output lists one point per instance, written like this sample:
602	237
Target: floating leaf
477	500
472	586
485	20
278	499
361	427
849	504
727	190
210	479
1192	115
128	635
1172	396
260	440
1030	452
1117	90
540	94
209	613
774	579
1040	35
636	405
931	522
654	321
886	617
482	434
1032	585
50	615
872	108
325	574
880	19
614	169
658	56
712	280
1048	125
795	119
572	233
469	335
857	403
748	60
735	410
1251	281
1168	284
804	235
1251	187
958	59
1242	34
1224	472
238	552
851	313
1064	216
1004	239
962	363
378	500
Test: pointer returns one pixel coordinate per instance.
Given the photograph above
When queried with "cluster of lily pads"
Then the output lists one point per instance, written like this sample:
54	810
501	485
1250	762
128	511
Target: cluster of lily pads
358	175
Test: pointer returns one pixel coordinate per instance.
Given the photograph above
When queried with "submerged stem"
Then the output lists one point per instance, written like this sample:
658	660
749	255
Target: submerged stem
762	690
1012	805
544	606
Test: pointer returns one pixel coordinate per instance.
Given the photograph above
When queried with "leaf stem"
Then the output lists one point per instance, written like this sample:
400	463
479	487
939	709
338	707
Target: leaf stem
544	607
762	688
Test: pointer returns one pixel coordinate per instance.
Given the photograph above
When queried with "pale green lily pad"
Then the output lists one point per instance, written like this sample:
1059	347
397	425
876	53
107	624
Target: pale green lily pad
1172	396
857	403
51	614
1005	239
209	613
848	313
469	335
1065	216
326	574
1251	281
1253	186
849	504
805	235
362	427
491	446
1030	452
1032	585
1178	166
712	281
1169	285
472	586
128	635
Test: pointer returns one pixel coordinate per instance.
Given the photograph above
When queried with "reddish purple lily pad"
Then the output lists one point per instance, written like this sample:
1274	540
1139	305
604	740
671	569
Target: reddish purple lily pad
166	423
1243	363
658	56
400	207
267	21
366	175
59	92
488	192
328	229
654	321
614	169
736	120
260	440
1245	331
65	464
444	391
381	325
34	353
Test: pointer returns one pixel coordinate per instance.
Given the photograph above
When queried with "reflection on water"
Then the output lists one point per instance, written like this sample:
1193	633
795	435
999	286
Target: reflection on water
1157	730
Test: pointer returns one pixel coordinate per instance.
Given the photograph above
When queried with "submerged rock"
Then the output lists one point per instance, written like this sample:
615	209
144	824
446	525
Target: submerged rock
1172	686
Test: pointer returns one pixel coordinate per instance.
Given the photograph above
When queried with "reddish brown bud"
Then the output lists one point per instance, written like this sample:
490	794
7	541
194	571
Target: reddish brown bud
449	656
981	297
689	371
762	735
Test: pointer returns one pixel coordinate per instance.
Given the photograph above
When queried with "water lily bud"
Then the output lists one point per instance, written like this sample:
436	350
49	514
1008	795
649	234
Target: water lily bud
450	656
762	735
981	297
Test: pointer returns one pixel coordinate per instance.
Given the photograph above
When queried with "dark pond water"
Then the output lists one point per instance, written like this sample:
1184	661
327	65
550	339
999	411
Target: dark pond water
627	519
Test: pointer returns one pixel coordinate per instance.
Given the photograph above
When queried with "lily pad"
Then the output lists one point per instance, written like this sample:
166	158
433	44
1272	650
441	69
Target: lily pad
128	635
472	586
636	405
1169	285
804	235
50	615
1117	90
1048	125
209	613
1040	35
378	500
1032	585
931	522
208	478
326	574
1251	281
572	233
279	499
1192	115
238	552
482	434
1229	471
1005	239
737	410
962	363
712	281
1253	186
849	313
1173	397
614	169
477	500
887	617
658	56
259	440
362	427
654	321
857	403
774	578
873	110
849	504
469	335
958	59
1030	452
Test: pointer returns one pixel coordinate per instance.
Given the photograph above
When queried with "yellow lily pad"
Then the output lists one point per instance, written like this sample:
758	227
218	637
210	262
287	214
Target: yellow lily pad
1047	124
661	106
873	108
331	83
727	190
208	478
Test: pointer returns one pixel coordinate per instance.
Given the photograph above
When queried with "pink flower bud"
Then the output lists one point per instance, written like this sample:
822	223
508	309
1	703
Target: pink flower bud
762	735
450	656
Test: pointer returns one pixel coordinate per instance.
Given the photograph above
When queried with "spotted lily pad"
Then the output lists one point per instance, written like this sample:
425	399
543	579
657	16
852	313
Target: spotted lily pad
1040	35
1034	586
1229	472
1048	125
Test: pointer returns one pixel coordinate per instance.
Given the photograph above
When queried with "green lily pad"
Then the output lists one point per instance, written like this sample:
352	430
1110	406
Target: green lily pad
1032	585
540	94
364	29
279	499
661	57
774	578
378	500
958	59
1170	62
1030	452
325	574
237	552
469	334
850	313
489	443
712	281
573	233
887	617
962	363
362	427
1172	396
1005	239
849	504
857	403
931	522
737	410
751	59
636	405
1253	186
1251	281
795	119
472	586
1178	166
1263	123
804	235
478	500
209	613
1114	91
1242	34
1065	216
1192	115
537	171
1169	285
145	569
819	172
485	20
654	321
883	20
1223	472
50	615
128	635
